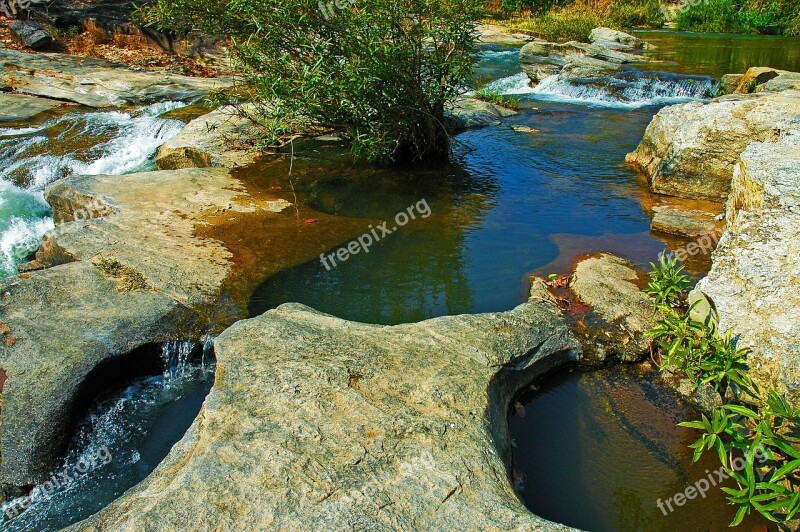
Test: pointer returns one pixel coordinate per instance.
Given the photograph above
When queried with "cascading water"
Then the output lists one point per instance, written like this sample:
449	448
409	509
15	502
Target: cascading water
630	89
112	142
123	438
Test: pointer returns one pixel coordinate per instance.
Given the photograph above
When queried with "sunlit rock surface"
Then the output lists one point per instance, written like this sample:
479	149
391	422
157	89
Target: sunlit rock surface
319	423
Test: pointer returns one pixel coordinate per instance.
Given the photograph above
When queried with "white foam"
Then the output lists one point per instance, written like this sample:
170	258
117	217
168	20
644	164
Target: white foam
20	239
639	92
516	84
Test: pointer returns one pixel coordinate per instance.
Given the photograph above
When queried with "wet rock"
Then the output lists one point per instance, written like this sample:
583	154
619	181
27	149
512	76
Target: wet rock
125	267
754	77
689	150
687	223
222	138
541	59
754	281
468	113
611	286
30	34
19	108
319	423
97	83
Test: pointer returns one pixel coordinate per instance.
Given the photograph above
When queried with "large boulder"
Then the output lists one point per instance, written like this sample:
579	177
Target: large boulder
754	282
224	138
689	150
96	83
20	108
133	260
319	423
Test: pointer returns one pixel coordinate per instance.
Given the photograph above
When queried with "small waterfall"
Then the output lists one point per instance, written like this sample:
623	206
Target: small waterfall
629	89
175	354
96	143
121	440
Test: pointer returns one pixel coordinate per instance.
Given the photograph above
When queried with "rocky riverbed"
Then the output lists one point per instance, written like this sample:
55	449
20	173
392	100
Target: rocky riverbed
318	421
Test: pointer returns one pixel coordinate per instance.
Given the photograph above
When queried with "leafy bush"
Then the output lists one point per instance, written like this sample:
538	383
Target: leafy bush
767	476
757	438
668	282
381	72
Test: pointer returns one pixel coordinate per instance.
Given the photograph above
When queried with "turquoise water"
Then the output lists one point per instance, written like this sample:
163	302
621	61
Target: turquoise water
34	155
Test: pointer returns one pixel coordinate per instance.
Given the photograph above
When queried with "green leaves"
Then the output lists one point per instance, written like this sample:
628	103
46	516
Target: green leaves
380	72
750	442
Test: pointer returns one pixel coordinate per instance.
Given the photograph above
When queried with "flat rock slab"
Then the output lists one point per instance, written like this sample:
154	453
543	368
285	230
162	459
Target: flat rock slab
316	423
18	107
96	83
686	223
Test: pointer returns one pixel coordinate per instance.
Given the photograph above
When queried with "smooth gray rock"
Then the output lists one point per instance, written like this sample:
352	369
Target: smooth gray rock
614	38
468	113
18	107
319	423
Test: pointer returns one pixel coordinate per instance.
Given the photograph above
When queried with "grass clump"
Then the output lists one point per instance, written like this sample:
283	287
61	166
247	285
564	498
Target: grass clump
129	278
496	97
754	440
574	21
769	17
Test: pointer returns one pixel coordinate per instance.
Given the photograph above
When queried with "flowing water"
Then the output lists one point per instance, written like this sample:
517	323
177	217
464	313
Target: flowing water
527	196
123	438
72	143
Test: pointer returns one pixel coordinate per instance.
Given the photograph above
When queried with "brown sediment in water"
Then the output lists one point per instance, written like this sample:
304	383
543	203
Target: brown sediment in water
263	243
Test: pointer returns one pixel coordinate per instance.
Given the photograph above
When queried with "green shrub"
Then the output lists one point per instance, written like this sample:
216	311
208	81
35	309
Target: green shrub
779	17
381	72
559	26
756	438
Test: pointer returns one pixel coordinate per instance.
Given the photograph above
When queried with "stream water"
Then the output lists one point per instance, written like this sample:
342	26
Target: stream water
527	196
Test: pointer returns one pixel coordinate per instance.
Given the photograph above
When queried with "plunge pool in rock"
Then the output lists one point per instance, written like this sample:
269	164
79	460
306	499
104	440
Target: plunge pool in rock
596	450
125	435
